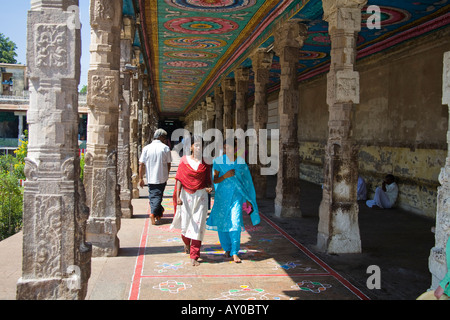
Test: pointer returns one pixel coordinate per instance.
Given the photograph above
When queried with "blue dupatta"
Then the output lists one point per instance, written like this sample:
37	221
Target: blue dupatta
230	194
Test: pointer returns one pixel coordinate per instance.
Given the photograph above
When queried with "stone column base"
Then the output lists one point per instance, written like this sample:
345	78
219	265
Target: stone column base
343	235
437	266
102	234
125	203
286	212
69	288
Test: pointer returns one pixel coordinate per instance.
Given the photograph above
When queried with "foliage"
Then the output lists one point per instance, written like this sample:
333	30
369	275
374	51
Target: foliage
11	193
7	50
83	90
82	166
11	202
21	154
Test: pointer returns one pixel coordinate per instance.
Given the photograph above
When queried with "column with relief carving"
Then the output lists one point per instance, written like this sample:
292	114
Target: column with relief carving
134	127
56	259
261	61
210	113
100	178
289	39
124	173
338	212
228	90
241	80
145	135
218	100
438	259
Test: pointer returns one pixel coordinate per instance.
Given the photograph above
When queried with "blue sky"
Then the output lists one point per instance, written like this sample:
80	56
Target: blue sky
13	24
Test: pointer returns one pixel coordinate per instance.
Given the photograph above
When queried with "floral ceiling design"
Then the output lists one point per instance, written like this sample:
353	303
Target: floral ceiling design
193	44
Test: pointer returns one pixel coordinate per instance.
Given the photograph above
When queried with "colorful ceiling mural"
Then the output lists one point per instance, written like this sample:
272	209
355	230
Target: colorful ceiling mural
193	44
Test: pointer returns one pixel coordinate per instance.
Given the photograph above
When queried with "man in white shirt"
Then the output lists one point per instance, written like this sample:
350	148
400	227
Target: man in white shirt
156	158
386	195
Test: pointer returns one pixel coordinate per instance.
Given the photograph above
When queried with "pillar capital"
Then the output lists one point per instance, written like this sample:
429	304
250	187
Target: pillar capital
218	91
291	34
340	14
261	59
128	28
242	74
52	4
228	84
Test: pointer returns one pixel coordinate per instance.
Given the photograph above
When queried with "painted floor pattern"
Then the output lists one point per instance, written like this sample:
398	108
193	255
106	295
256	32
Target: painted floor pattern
274	266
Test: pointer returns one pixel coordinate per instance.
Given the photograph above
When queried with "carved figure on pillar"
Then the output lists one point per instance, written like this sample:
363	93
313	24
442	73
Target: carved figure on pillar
100	178
289	38
56	258
338	212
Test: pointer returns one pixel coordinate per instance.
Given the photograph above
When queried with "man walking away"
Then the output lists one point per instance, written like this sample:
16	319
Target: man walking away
156	158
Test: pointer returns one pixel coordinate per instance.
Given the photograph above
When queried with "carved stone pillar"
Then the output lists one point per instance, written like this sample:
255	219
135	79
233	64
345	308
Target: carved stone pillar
218	100
438	260
241	80
141	144
210	113
124	173
145	138
288	40
338	212
154	119
203	116
228	89
100	179
56	259
134	127
262	61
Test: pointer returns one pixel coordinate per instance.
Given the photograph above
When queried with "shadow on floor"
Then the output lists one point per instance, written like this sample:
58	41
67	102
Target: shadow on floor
395	240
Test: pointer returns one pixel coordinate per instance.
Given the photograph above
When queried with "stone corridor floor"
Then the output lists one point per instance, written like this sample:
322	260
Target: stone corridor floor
274	265
279	259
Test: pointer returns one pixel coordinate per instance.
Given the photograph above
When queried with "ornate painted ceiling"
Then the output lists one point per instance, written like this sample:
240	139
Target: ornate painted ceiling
191	45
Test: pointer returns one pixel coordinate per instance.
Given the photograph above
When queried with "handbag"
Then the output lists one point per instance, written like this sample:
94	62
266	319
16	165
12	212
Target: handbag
247	208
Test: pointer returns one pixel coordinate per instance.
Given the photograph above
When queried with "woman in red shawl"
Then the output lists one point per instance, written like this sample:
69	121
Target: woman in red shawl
193	183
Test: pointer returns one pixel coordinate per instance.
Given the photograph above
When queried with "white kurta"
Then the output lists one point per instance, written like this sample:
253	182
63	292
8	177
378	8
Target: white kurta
191	216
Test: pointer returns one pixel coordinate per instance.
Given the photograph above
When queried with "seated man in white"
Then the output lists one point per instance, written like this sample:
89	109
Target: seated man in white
386	195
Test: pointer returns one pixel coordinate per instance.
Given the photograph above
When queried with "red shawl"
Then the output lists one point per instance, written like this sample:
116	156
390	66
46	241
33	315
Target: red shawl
190	179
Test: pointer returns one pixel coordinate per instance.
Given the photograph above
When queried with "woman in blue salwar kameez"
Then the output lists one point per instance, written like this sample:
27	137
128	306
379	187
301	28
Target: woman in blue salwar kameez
233	187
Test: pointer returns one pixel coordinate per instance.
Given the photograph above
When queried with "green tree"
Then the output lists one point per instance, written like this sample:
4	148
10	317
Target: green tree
7	50
83	90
